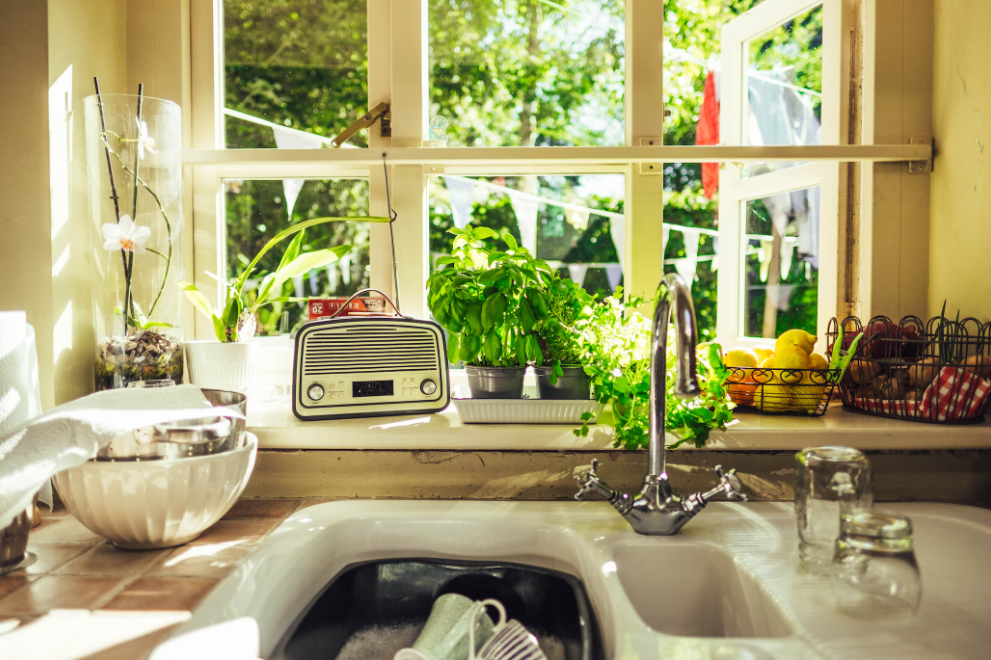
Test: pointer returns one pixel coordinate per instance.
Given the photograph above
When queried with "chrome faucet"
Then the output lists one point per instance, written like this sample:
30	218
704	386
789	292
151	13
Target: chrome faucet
656	510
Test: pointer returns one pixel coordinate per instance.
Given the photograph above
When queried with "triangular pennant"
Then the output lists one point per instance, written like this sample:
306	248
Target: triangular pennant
526	208
665	234
287	138
577	219
577	273
617	231
685	268
462	196
787	254
780	295
764	257
691	237
614	273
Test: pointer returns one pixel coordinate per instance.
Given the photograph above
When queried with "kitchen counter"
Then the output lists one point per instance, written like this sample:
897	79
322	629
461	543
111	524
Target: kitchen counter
85	598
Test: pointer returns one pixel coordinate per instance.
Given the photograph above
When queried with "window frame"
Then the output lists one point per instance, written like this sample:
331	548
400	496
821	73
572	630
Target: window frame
396	30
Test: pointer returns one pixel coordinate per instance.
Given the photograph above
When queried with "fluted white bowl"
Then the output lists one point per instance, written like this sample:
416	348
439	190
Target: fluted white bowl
222	366
142	505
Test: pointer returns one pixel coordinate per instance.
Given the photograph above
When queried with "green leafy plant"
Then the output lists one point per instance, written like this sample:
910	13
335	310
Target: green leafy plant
559	334
490	301
615	341
236	320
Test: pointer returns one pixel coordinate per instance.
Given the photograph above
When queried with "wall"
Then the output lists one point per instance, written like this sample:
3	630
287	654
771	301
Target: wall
960	236
85	39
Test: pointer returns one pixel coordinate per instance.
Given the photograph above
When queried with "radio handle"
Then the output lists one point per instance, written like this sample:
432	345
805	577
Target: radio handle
348	301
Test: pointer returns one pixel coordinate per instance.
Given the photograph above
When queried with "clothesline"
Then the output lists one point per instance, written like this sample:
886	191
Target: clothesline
684	56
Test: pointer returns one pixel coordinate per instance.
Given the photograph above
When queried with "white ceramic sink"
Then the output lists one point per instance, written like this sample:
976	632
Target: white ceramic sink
696	590
726	587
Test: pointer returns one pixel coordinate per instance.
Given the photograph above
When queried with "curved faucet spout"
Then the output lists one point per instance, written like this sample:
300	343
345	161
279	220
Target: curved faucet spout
674	302
656	510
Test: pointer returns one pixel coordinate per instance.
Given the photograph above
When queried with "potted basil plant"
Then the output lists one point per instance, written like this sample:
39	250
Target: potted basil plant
229	362
490	302
563	374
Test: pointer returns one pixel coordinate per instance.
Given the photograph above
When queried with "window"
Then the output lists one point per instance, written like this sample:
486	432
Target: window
554	105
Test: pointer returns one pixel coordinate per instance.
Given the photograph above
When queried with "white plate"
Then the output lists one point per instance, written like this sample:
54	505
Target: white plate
521	411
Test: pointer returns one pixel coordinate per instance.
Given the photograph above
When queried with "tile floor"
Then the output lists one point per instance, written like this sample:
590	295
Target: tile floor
78	570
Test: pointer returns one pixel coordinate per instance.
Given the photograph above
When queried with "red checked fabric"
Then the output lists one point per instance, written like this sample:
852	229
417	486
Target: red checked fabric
954	394
900	408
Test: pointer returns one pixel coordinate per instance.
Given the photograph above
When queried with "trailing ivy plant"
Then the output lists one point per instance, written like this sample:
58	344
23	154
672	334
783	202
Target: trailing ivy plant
615	342
490	301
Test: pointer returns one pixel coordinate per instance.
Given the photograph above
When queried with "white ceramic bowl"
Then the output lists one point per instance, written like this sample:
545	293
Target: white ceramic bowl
222	366
141	505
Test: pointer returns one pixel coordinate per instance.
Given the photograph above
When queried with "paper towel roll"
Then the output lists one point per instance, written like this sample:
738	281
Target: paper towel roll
20	390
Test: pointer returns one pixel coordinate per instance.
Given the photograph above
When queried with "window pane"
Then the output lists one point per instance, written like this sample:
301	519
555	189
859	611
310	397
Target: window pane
573	222
296	63
781	265
256	210
528	72
690	245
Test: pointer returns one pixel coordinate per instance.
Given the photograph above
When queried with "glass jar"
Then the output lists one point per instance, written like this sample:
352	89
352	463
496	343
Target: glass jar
134	173
829	482
875	575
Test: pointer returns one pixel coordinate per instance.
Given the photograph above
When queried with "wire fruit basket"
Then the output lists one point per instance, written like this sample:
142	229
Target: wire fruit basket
804	392
937	371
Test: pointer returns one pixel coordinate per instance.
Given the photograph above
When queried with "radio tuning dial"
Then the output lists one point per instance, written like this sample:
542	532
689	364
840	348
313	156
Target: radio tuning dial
315	392
428	387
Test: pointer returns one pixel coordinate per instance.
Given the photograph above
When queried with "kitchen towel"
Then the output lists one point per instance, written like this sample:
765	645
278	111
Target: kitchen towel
20	390
70	434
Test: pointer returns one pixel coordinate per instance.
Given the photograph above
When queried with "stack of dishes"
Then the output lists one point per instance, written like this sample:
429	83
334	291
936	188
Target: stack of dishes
163	485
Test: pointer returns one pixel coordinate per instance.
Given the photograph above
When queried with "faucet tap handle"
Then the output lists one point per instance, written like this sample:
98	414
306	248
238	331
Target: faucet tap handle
589	481
730	484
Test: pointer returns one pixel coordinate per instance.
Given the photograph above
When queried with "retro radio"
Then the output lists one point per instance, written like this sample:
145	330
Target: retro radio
367	366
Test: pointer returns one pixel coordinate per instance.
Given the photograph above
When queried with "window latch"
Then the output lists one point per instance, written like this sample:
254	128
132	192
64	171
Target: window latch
381	111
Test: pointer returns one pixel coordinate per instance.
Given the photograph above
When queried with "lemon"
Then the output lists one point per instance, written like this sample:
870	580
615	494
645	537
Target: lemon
767	363
791	357
799	338
763	353
741	357
817	361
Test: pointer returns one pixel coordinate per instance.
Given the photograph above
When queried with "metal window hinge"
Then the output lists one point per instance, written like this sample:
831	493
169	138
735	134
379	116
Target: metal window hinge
922	166
381	111
651	168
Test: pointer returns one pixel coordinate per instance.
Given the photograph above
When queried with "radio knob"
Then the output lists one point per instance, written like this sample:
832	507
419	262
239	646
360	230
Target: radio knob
428	387
315	392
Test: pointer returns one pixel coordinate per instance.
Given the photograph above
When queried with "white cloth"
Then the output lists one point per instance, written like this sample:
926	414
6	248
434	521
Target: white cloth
70	434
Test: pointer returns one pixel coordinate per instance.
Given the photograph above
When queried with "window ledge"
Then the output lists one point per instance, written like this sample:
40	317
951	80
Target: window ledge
277	428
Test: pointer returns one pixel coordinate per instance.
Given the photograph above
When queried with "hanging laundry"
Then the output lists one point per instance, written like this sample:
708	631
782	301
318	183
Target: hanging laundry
525	208
462	194
287	138
707	133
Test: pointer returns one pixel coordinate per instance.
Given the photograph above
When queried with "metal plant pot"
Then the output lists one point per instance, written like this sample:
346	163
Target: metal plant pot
573	385
496	382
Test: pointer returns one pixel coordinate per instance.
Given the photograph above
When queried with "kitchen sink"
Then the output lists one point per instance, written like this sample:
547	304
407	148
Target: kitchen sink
728	587
696	590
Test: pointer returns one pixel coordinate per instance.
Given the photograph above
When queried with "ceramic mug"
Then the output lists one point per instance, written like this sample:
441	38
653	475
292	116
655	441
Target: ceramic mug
456	624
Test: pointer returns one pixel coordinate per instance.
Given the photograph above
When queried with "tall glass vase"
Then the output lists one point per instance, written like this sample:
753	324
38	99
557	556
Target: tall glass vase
133	154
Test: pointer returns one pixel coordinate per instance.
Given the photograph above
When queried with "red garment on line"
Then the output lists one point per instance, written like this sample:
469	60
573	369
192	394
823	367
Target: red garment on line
707	133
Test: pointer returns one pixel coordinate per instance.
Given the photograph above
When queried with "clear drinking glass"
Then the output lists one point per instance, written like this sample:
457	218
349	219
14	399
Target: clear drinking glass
830	481
874	574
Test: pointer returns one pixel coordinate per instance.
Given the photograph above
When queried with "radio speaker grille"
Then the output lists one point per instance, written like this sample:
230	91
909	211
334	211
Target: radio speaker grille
368	349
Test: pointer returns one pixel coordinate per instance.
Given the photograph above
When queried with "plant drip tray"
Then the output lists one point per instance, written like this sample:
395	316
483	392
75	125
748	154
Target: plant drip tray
371	610
522	411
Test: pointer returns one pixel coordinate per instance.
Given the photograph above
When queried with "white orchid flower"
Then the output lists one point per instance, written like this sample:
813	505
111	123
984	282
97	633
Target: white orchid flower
145	141
125	235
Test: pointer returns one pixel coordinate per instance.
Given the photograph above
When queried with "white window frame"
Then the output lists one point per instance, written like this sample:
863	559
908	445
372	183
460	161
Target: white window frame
735	190
397	32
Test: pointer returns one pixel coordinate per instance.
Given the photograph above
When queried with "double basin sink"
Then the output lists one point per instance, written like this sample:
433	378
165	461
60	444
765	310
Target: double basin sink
728	586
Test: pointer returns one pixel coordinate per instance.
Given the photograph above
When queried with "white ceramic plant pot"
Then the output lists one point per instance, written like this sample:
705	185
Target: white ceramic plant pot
222	366
143	505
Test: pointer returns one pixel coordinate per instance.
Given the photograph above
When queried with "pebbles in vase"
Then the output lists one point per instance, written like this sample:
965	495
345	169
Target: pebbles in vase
142	355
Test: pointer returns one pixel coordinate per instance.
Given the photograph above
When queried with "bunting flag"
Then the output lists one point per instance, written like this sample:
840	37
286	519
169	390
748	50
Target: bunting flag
332	276
780	295
462	195
665	234
614	273
577	273
685	268
707	133
526	209
297	285
314	276
286	138
715	259
617	231
345	265
764	257
787	254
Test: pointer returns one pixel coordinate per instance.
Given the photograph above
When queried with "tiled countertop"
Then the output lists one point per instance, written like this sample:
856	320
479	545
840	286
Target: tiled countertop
79	571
